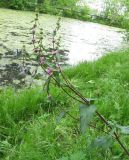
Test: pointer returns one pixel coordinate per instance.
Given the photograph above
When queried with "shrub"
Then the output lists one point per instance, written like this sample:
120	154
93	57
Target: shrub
116	13
16	4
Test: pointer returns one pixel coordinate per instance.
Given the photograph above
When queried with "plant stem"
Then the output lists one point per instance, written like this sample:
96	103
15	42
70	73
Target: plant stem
74	89
81	99
98	114
64	89
90	125
115	134
121	144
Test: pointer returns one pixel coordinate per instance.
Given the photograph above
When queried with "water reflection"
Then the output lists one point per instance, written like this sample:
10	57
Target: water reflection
90	41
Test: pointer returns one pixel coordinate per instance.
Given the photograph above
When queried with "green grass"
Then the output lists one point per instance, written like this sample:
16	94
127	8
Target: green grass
28	121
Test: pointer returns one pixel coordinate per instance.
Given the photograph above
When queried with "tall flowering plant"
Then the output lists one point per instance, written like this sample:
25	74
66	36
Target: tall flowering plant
50	61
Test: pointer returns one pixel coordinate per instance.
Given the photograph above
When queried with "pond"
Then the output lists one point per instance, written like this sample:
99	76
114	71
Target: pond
84	41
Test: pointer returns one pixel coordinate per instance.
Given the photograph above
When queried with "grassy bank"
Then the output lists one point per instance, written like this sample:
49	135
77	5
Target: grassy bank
67	8
111	14
28	121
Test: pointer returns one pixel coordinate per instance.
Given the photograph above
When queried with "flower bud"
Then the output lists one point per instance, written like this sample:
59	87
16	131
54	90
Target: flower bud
33	40
34	26
33	31
42	60
53	52
58	67
53	61
36	50
49	71
53	41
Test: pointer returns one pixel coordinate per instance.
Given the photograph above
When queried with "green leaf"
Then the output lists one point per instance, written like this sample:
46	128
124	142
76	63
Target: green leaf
38	76
103	142
57	77
123	129
91	100
86	114
47	84
58	56
61	115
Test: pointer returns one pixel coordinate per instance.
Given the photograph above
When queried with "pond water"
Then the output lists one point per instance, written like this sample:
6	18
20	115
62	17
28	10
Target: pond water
85	41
